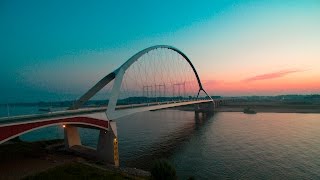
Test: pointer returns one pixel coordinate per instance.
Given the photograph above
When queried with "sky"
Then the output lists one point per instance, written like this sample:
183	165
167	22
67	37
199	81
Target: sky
56	50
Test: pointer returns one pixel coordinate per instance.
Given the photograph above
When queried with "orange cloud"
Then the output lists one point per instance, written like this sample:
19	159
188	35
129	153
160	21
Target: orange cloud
272	75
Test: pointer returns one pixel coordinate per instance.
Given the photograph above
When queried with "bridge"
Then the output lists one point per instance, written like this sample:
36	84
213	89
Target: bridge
155	78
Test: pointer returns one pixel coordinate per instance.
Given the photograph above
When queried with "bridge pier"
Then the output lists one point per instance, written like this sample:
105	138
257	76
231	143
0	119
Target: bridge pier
205	107
107	148
71	136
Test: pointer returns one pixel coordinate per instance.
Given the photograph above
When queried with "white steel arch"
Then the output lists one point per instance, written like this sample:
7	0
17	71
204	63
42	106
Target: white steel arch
118	74
135	57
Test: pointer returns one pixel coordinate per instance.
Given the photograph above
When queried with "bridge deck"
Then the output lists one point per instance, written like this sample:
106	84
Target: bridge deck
85	111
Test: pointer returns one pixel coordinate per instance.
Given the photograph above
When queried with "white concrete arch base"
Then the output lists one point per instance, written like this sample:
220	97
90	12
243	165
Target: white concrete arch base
107	148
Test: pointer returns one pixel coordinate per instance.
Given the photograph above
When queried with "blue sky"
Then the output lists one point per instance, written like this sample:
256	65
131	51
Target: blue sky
45	46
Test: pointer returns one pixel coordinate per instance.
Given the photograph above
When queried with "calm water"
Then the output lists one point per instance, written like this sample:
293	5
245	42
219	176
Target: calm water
223	145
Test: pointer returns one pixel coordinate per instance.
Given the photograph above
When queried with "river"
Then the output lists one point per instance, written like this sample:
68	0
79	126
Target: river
222	145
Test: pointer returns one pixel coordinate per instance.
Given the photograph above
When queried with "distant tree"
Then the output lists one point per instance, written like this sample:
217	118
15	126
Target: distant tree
162	169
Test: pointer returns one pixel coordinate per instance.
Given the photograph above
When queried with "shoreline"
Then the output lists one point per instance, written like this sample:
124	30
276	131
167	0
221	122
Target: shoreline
268	110
261	108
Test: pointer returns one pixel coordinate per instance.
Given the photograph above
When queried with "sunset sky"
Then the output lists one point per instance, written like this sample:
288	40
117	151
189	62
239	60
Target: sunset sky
56	50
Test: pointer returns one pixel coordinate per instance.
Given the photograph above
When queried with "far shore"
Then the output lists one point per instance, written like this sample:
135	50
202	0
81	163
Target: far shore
269	107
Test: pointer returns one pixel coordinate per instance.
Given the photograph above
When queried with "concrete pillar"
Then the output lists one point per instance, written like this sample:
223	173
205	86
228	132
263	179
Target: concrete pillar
71	136
196	107
107	148
204	107
211	107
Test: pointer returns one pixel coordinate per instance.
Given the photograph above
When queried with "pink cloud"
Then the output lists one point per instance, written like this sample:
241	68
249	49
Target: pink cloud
210	82
272	75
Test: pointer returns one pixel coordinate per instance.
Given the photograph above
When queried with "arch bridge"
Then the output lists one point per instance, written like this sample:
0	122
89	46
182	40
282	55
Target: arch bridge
155	78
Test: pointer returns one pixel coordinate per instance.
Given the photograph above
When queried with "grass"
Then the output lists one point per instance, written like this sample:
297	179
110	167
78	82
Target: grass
29	151
77	171
21	149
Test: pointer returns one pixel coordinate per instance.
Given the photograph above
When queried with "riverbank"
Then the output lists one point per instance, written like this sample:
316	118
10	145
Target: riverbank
43	159
275	107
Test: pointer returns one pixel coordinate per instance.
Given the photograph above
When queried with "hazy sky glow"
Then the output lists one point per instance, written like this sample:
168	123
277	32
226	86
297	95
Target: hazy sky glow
56	50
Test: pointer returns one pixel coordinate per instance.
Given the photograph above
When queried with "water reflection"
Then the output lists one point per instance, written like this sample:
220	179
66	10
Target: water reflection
261	146
169	143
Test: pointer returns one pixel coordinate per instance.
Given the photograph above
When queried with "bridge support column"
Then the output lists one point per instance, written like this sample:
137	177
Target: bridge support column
71	136
204	107
107	148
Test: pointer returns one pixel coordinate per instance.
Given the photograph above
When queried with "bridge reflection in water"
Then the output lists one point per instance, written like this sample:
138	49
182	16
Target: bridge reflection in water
168	132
